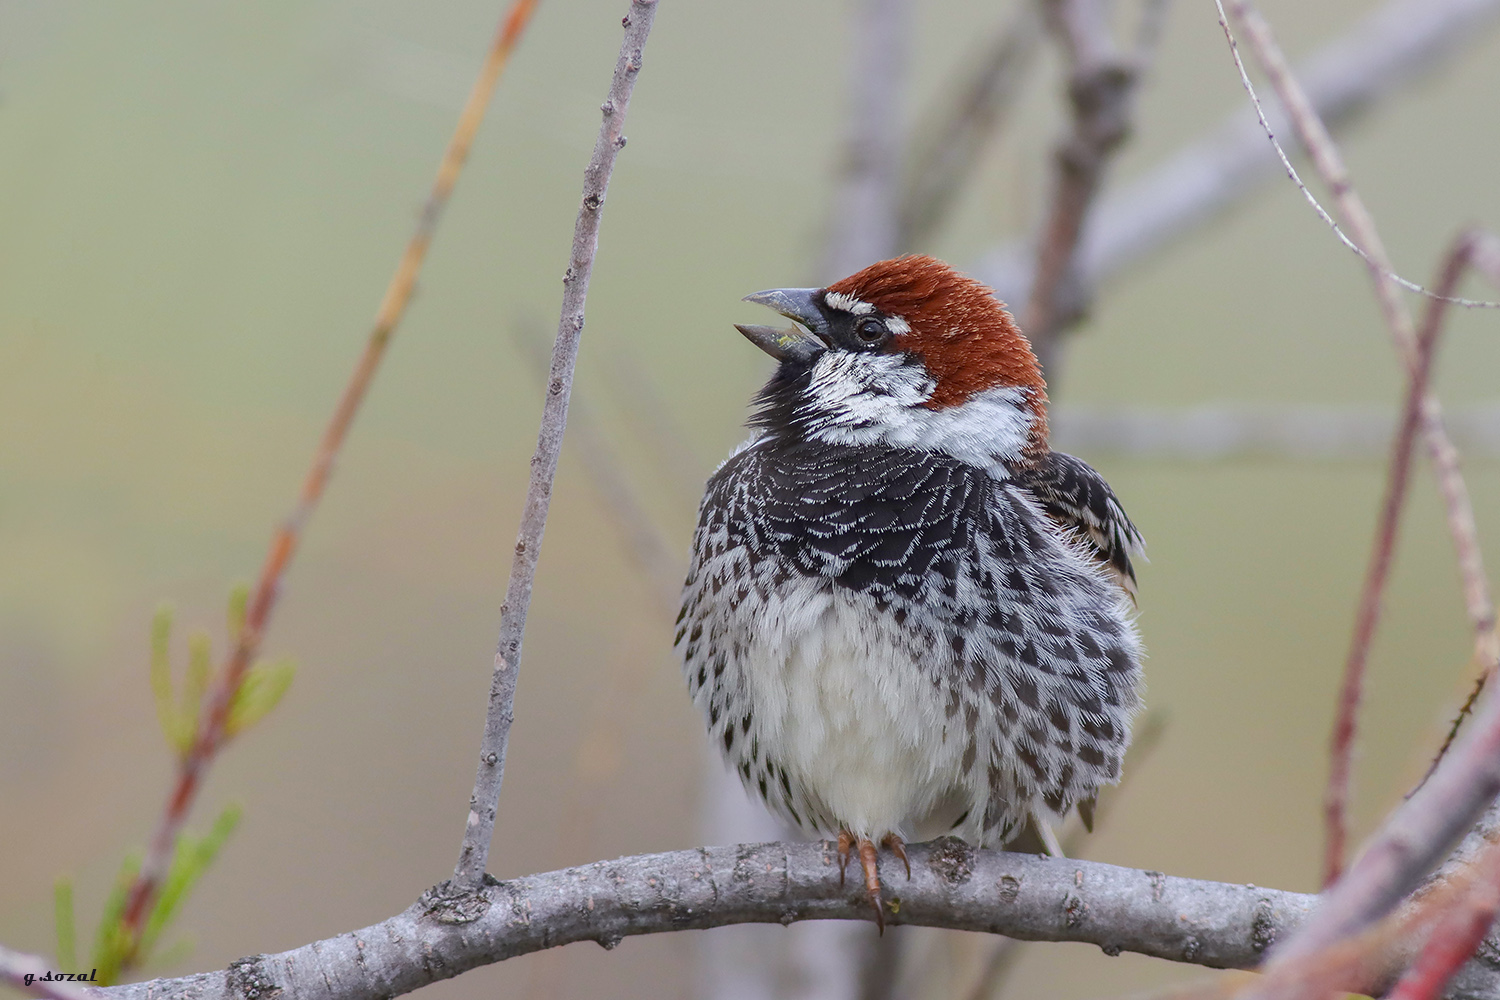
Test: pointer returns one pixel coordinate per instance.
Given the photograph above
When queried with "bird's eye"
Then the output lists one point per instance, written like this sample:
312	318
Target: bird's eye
870	330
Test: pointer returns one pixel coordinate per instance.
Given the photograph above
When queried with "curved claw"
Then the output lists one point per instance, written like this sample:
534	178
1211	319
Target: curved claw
869	860
897	846
846	844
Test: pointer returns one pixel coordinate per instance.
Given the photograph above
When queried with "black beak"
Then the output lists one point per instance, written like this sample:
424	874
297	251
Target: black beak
798	304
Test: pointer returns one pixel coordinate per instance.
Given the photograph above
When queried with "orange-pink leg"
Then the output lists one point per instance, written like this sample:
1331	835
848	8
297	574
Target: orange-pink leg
846	844
850	844
868	859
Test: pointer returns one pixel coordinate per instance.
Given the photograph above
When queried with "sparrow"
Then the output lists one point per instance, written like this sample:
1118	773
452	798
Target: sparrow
905	615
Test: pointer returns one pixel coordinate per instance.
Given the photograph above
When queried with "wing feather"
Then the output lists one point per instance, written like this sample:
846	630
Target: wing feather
1076	497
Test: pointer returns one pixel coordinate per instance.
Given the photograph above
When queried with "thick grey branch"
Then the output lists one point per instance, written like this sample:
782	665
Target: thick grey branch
1382	54
491	768
451	929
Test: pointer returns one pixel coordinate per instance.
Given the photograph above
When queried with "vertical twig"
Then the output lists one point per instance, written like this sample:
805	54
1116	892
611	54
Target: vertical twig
1482	253
1398	479
1365	239
596	760
1101	88
210	735
862	224
491	768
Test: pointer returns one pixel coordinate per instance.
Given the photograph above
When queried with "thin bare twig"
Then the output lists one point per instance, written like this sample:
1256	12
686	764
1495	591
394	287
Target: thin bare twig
1382	54
1416	836
490	772
1398	479
1330	166
210	736
1480	250
862	223
1101	88
25	973
943	156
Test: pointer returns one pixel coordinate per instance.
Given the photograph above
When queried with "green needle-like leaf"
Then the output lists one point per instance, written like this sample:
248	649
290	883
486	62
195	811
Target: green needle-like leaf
239	597
190	860
263	687
200	668
112	942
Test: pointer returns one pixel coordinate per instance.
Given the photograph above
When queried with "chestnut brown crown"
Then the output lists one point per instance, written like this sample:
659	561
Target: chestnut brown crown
962	333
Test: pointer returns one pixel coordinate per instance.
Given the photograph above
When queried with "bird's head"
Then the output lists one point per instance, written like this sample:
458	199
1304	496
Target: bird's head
906	353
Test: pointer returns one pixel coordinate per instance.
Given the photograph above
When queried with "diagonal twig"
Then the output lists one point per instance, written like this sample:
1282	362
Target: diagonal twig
1398	480
1482	253
1415	837
644	543
1101	89
1384	53
210	735
491	768
1328	162
1361	227
944	155
1410	843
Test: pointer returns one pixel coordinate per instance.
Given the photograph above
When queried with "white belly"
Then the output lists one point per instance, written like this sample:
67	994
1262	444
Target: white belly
843	703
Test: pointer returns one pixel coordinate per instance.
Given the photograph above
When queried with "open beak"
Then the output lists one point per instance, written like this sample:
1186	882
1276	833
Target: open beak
799	304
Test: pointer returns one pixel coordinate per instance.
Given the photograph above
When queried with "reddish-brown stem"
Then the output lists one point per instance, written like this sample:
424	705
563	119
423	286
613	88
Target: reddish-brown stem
1457	934
1101	88
1398	479
1364	238
210	736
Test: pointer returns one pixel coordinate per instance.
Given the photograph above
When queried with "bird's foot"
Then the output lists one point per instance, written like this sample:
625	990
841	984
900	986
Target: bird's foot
850	844
897	846
869	860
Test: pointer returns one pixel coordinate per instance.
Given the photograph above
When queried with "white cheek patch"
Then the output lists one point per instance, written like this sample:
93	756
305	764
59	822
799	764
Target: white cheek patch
867	399
847	303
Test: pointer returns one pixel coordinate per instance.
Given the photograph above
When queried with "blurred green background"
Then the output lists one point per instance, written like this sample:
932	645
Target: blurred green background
200	205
